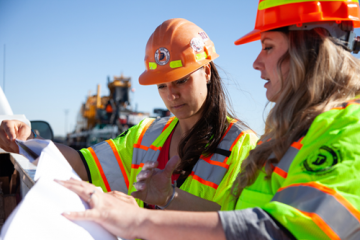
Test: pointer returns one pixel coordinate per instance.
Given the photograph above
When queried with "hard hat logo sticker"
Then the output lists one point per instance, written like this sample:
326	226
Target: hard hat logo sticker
204	36
197	44
162	56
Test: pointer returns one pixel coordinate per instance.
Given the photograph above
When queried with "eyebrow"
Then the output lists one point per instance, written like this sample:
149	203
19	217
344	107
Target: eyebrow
263	40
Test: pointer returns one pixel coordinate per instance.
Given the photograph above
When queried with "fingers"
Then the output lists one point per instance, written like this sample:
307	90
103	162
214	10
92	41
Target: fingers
171	166
138	194
123	197
83	189
89	215
144	174
11	130
140	186
15	129
146	171
150	165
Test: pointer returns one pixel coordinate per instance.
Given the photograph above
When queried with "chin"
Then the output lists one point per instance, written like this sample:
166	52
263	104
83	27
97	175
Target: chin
182	116
269	96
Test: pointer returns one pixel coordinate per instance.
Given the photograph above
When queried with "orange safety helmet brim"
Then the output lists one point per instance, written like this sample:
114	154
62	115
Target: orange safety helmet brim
157	77
177	48
299	12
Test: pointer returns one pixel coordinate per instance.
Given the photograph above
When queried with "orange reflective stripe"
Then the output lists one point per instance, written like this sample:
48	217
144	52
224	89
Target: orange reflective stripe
208	160
100	169
121	165
280	172
155	148
331	192
298	145
237	139
136	166
141	147
147	148
144	130
321	224
207	183
259	142
168	123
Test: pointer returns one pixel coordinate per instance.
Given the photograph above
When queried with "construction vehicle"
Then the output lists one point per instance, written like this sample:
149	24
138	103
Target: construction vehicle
102	118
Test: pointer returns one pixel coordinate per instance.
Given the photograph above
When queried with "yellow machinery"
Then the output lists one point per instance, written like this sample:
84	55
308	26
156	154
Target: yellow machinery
105	117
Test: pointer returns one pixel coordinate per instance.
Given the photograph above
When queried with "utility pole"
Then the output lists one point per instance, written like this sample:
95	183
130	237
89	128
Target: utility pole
4	68
66	111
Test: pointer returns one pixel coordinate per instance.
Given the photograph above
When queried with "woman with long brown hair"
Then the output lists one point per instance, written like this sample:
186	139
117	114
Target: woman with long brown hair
203	140
302	180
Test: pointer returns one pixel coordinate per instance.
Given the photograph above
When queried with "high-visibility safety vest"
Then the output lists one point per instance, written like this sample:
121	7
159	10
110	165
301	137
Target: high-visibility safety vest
314	191
115	163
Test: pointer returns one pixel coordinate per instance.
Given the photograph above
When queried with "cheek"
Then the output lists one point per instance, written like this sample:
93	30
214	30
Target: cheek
163	96
202	95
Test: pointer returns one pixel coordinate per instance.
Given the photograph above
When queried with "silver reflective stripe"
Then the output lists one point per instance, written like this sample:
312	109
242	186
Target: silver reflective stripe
110	167
154	130
142	156
218	157
151	134
286	160
138	155
151	155
312	200
214	173
230	137
209	172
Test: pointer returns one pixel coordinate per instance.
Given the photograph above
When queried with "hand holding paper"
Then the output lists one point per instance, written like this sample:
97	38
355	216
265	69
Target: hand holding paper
39	215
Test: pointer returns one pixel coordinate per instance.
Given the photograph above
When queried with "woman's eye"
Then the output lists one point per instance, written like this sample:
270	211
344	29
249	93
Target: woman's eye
267	48
160	86
181	81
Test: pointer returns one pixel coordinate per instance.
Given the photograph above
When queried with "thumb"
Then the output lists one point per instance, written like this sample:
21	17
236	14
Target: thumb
171	165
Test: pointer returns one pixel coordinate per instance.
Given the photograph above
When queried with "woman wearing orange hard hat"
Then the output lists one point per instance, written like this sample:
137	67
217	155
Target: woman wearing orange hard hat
302	180
209	141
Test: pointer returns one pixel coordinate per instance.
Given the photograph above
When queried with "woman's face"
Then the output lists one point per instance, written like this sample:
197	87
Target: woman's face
274	46
185	97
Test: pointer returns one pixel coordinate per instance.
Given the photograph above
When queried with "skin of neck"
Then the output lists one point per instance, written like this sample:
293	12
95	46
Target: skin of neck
185	125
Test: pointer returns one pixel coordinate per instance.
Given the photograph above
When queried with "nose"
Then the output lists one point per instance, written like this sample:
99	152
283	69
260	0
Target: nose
258	64
172	93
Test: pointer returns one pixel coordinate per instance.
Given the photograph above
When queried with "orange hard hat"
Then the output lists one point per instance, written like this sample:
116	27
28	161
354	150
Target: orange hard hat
175	49
273	14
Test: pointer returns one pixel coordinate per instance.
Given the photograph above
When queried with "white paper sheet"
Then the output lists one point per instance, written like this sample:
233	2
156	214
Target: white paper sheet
38	216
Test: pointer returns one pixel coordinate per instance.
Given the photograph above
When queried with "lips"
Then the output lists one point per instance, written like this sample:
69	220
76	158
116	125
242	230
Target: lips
178	106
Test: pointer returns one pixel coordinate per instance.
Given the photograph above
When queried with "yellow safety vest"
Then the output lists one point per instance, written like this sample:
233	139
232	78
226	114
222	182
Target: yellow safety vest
115	163
314	189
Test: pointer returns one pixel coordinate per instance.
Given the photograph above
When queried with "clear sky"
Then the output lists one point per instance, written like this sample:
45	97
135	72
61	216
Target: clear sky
59	50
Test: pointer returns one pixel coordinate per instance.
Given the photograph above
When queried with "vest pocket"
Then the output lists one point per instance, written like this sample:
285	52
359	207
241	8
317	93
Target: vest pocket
250	199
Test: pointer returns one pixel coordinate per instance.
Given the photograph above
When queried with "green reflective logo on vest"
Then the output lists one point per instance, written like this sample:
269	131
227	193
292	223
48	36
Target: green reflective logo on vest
322	160
274	3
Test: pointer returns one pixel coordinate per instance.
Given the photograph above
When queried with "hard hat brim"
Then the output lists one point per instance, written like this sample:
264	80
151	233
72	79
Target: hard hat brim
300	12
250	37
157	77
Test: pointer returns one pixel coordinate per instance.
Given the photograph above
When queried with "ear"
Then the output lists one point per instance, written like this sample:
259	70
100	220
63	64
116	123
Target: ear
207	69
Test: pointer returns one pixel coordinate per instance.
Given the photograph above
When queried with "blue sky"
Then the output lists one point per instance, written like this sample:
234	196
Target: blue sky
59	50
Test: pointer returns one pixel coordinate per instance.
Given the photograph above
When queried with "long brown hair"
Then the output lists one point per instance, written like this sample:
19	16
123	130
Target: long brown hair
322	74
206	134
